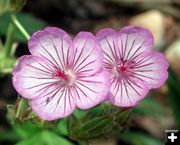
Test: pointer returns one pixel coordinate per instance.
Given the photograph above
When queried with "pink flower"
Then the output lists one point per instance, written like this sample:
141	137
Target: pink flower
61	74
133	66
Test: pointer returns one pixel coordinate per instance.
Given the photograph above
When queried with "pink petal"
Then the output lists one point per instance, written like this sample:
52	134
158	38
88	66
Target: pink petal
54	45
152	70
56	104
127	92
88	56
91	90
33	77
134	42
107	41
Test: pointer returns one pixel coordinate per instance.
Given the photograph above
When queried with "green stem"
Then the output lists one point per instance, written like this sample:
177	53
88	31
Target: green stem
22	104
19	26
9	40
83	142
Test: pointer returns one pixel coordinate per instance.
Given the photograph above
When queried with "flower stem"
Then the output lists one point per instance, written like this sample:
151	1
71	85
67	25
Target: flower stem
19	26
9	40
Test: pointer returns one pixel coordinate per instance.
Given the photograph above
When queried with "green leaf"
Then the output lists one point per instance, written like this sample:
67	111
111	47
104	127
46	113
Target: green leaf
149	107
138	138
27	130
99	123
30	23
79	113
63	127
9	135
33	140
45	138
51	138
174	95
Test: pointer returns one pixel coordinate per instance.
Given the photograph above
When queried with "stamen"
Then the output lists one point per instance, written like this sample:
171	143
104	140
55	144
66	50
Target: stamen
61	75
67	76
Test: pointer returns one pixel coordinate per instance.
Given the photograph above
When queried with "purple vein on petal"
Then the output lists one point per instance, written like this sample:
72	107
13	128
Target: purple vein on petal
111	49
77	94
85	93
116	85
134	56
37	68
126	90
86	87
62	93
82	61
79	54
88	81
50	56
132	45
47	68
62	50
125	47
86	65
40	85
121	49
109	57
129	82
58	54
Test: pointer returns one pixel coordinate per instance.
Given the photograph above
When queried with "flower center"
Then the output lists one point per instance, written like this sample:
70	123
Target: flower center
121	67
61	75
66	77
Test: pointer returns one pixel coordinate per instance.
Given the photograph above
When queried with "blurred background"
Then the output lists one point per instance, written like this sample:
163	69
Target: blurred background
159	111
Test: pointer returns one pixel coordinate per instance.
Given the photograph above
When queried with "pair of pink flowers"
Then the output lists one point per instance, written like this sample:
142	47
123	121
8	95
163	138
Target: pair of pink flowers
62	74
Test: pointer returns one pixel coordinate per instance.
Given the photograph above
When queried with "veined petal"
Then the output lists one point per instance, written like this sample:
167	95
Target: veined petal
152	70
33	77
54	45
134	42
107	42
91	90
88	56
127	92
58	103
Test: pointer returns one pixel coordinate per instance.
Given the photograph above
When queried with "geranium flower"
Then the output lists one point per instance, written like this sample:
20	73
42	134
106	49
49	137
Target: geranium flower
133	66
61	74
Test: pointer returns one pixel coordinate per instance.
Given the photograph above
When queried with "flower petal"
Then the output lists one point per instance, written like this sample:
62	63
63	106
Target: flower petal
127	92
107	39
56	104
91	90
88	56
134	42
53	44
33	76
152	70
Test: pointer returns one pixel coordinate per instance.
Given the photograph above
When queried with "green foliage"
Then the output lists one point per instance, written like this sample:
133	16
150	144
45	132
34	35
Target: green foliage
81	126
6	64
63	127
30	23
138	138
150	107
11	5
32	134
98	122
174	95
44	137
